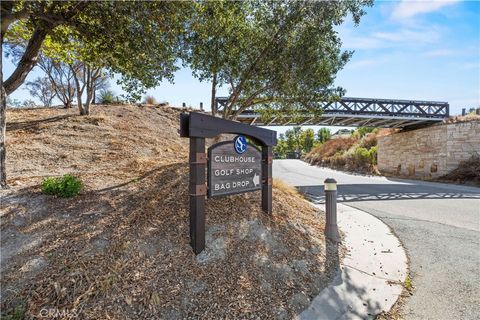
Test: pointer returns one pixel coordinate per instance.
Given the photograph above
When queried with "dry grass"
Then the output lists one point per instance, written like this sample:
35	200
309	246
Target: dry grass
466	118
468	171
121	249
286	188
348	153
100	148
369	140
150	100
333	146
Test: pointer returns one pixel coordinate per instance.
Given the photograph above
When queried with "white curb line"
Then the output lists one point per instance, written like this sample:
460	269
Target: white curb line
371	276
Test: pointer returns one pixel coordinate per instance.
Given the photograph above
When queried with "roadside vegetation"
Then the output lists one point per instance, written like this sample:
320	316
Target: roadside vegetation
356	152
65	187
468	172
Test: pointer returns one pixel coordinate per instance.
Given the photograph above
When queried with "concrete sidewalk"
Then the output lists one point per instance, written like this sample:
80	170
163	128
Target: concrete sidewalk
371	276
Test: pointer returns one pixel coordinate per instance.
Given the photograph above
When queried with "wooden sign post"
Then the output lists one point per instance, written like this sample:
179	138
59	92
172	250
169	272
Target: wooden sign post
240	170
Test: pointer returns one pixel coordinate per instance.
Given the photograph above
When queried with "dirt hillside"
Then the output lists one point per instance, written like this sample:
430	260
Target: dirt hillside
120	250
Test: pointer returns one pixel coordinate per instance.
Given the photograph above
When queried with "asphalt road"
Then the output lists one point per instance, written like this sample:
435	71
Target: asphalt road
439	225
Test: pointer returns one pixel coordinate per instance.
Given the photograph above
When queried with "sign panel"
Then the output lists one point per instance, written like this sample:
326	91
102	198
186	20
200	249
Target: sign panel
234	167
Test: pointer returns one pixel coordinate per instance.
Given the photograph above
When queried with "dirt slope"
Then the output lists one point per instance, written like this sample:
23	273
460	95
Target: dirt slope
114	143
121	250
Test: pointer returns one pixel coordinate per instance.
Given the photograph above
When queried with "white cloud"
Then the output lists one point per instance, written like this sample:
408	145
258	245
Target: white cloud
408	9
440	53
401	37
412	36
366	63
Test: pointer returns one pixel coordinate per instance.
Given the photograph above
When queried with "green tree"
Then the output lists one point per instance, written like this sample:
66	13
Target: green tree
279	56
281	148
138	39
307	140
293	139
360	132
323	135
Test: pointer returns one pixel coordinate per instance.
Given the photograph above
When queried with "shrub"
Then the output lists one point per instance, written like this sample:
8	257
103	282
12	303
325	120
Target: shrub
65	187
467	171
373	155
338	160
17	313
358	159
333	146
106	97
150	100
360	132
369	141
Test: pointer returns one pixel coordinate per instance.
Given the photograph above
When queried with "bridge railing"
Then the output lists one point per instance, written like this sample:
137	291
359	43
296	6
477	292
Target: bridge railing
376	107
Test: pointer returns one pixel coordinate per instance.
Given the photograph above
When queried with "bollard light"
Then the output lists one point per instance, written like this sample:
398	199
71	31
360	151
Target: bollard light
331	227
330	185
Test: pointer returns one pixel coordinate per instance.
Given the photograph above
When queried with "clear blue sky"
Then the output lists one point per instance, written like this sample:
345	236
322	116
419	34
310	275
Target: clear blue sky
415	50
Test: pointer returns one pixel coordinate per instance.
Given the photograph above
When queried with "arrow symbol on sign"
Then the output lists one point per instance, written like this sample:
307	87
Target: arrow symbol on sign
256	179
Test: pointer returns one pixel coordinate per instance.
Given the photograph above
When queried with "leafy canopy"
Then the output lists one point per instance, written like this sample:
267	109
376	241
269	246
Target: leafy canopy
279	55
138	39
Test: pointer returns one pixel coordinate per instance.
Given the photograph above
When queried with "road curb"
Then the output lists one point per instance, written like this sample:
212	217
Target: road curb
371	276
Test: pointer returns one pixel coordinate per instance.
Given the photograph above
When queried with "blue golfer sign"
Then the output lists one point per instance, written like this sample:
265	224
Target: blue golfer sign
240	144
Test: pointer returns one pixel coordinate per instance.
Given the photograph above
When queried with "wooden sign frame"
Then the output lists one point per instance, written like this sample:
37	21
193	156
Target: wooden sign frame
197	127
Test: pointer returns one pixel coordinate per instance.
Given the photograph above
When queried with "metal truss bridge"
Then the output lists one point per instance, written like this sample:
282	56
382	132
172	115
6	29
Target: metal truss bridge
359	112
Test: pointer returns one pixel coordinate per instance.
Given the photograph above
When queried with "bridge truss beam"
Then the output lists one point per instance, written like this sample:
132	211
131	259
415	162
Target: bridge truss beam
354	112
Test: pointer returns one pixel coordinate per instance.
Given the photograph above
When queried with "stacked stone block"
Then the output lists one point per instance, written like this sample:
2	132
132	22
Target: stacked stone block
429	152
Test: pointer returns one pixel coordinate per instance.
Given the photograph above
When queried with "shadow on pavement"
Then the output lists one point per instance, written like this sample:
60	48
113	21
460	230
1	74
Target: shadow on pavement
373	192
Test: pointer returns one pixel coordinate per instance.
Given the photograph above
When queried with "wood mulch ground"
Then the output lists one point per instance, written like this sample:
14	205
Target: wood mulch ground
120	250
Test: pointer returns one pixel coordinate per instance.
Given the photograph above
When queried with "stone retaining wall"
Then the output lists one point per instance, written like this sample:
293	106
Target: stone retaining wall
429	152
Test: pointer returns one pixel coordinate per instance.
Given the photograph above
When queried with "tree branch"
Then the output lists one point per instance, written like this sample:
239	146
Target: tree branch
237	91
9	18
30	56
28	60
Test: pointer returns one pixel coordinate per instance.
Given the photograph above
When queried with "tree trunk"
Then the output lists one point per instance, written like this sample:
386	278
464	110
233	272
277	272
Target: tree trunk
86	107
3	136
79	90
24	66
92	76
3	125
27	62
214	93
79	97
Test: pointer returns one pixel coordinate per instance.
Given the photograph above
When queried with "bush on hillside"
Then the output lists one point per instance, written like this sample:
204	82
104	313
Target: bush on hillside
65	187
360	132
369	141
150	100
329	149
106	97
348	153
358	159
467	171
337	161
373	155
